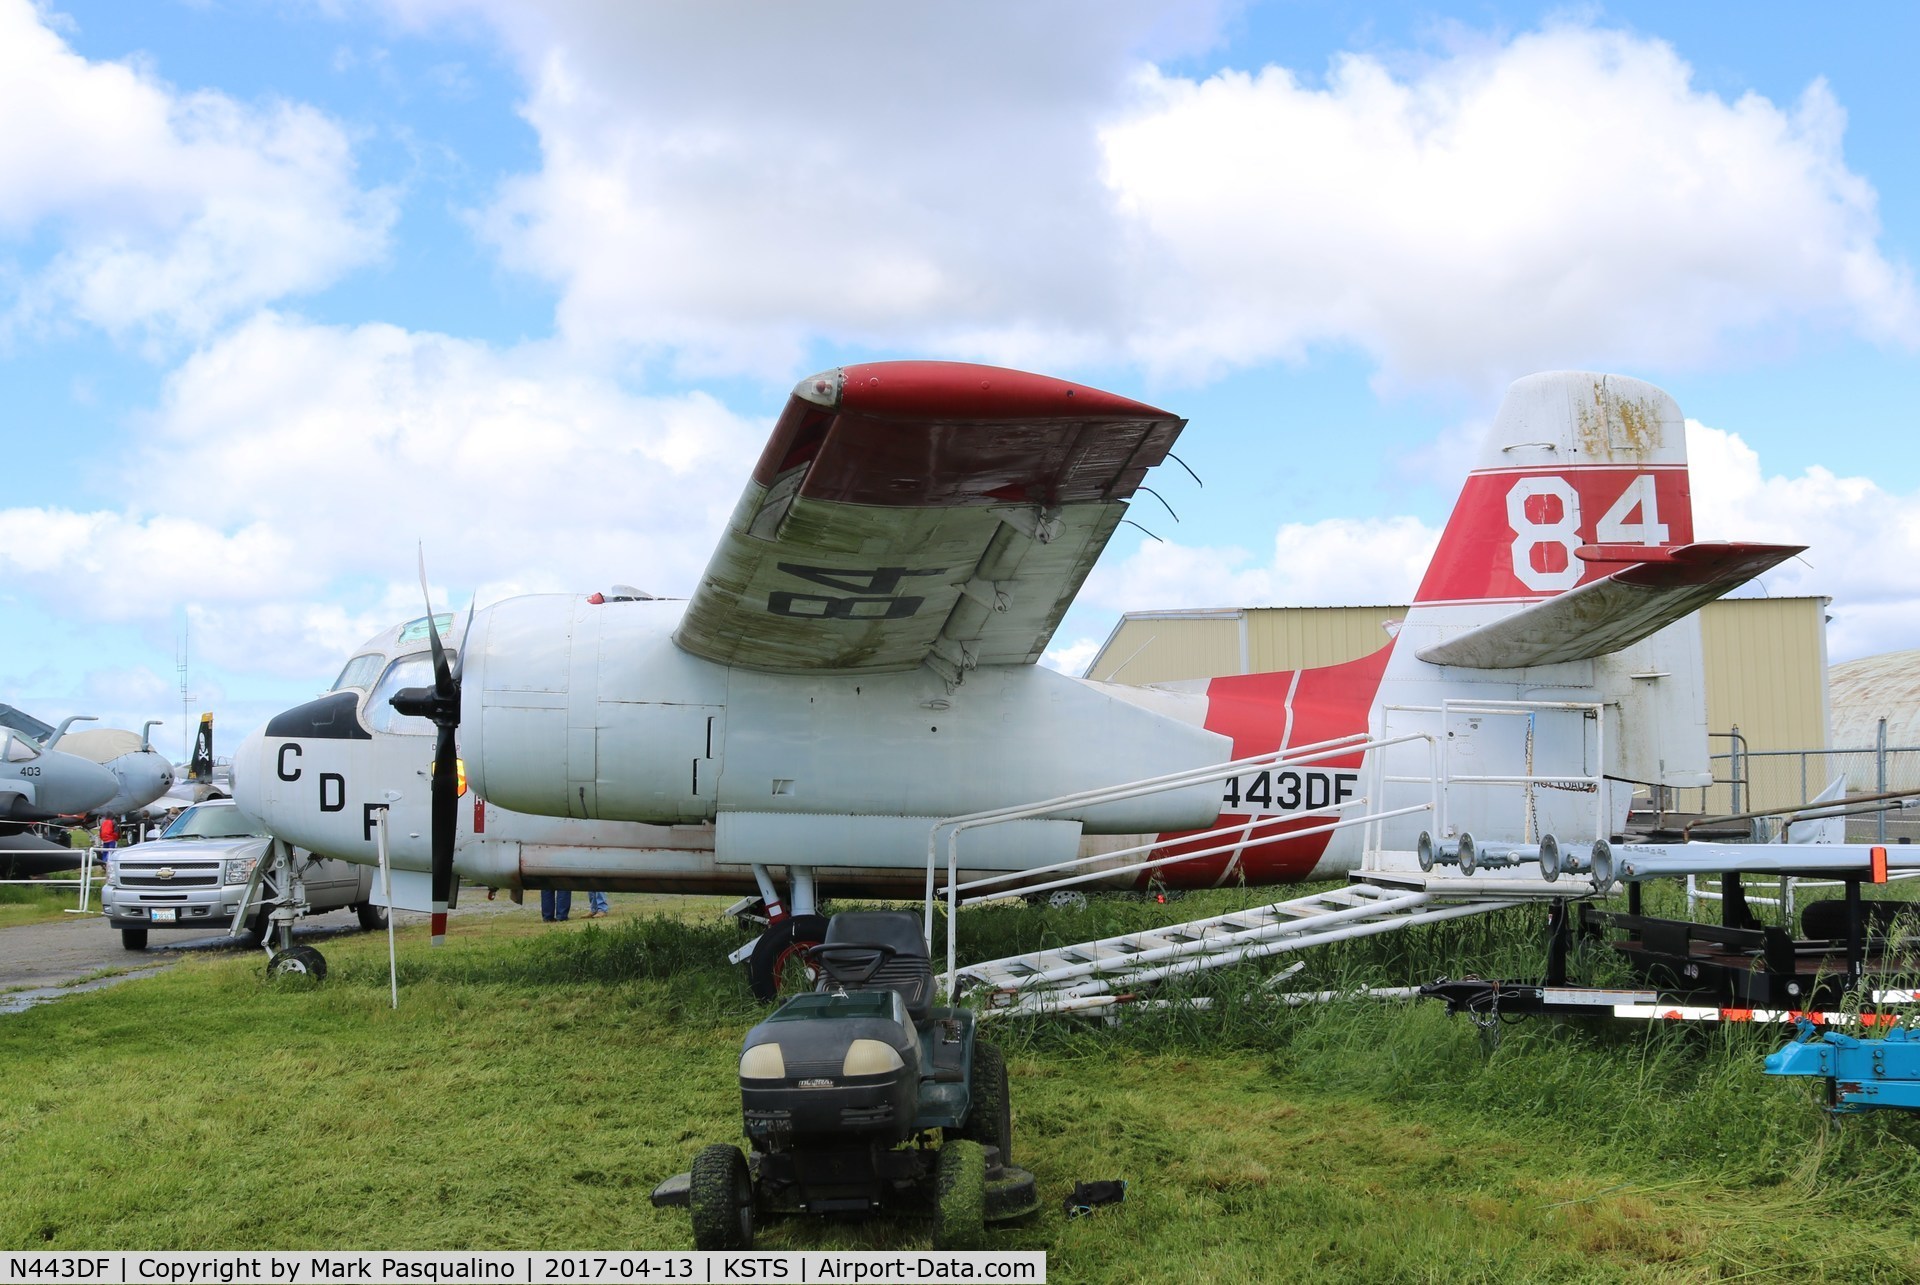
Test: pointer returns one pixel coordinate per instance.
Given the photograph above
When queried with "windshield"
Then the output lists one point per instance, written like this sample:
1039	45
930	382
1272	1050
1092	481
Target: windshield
360	672
213	823
409	671
15	750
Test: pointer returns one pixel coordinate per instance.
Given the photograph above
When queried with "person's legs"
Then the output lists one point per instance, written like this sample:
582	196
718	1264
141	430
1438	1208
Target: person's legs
597	903
546	904
562	902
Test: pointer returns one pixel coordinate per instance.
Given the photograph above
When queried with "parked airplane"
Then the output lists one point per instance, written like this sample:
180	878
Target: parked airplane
142	773
857	662
39	784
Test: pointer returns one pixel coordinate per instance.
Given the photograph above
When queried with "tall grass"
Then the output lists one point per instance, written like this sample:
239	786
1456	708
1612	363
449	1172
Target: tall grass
536	1083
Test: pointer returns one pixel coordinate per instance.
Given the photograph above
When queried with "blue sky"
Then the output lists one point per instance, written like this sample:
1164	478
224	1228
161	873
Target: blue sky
288	287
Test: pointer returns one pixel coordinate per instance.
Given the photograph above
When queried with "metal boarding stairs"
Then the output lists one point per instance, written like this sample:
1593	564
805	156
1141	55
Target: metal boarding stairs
1391	889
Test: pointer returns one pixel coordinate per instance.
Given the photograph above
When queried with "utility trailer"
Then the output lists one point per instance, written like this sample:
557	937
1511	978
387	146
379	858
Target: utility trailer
1739	969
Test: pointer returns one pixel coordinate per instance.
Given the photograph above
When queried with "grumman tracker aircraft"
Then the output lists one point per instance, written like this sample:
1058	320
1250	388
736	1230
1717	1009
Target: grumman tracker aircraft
858	662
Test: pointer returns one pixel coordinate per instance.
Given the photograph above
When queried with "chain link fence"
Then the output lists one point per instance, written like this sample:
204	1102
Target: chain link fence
1750	780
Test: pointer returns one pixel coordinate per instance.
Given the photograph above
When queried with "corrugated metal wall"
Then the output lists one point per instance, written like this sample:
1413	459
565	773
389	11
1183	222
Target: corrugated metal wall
1165	646
1766	661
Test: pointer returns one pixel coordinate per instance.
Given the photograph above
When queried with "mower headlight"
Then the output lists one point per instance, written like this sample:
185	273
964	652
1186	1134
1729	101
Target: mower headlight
871	1057
763	1062
238	869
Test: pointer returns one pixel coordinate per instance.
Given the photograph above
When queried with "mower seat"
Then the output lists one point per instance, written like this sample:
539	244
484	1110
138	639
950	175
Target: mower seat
909	971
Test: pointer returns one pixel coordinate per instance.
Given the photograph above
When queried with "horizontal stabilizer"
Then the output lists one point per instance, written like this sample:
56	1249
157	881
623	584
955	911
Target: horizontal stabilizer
1663	584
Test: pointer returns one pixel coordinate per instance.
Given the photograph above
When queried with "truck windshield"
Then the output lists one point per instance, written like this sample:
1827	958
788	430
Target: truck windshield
213	823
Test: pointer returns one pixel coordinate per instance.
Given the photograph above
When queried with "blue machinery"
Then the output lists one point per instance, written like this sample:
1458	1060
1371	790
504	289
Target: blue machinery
1861	1074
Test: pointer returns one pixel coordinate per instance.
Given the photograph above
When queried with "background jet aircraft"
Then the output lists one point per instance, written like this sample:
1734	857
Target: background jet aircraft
143	773
39	784
857	662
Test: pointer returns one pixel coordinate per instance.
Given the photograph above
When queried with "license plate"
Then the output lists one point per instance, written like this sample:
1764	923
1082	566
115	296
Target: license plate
162	914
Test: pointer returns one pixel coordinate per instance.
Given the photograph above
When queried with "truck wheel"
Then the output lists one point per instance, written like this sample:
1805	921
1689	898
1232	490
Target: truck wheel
372	918
133	938
300	961
960	1216
990	1121
779	961
720	1197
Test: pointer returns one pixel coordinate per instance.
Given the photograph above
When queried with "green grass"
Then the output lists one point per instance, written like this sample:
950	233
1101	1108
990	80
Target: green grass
37	903
538	1081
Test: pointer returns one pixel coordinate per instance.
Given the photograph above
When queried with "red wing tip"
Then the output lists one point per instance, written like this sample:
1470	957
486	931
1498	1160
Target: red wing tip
958	388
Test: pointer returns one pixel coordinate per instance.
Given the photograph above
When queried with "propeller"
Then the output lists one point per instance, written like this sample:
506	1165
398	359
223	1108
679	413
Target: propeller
440	704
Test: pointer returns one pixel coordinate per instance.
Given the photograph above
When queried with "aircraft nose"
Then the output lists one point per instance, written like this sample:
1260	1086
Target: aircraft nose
91	781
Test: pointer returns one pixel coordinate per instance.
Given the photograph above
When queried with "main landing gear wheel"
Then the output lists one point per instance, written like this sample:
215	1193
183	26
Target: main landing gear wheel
298	961
720	1197
779	962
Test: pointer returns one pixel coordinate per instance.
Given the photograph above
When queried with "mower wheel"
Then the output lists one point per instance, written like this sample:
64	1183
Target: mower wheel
720	1197
990	1122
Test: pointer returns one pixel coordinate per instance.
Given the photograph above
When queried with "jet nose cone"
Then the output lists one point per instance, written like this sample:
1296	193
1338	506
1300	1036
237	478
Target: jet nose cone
97	784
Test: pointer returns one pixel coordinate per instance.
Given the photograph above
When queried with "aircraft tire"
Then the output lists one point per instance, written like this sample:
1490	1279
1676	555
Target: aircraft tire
372	918
720	1198
960	1216
300	961
133	938
779	950
990	1120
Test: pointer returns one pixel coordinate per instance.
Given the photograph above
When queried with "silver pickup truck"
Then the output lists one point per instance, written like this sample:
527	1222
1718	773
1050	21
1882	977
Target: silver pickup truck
195	875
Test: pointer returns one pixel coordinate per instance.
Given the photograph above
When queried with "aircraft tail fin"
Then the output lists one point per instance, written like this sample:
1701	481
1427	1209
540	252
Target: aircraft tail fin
200	767
1573	537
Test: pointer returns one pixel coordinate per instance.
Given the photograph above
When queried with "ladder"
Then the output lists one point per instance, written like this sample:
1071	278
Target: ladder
1067	977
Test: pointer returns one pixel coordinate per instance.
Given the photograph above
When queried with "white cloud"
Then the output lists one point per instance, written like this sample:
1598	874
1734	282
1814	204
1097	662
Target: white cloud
1863	540
726	181
312	460
1568	197
1030	189
1333	562
164	210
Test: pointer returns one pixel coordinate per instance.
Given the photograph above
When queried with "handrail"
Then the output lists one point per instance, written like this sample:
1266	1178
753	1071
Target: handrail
1314	752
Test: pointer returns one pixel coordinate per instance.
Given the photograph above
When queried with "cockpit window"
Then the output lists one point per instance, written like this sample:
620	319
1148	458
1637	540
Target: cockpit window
408	671
360	672
14	749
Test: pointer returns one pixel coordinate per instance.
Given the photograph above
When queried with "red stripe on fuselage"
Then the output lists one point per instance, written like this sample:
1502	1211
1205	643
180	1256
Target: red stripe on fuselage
1267	712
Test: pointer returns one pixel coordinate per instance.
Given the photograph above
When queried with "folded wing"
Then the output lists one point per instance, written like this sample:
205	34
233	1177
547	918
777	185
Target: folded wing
910	513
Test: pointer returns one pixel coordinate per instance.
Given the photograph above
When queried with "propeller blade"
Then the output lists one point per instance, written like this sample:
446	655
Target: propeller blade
441	704
445	798
460	656
442	676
